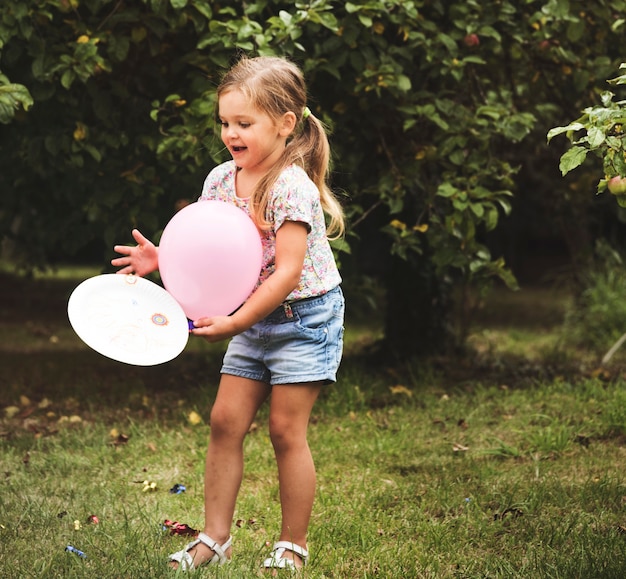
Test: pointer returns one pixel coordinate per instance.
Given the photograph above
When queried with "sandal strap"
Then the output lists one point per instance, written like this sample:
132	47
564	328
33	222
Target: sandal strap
289	546
185	560
276	559
219	550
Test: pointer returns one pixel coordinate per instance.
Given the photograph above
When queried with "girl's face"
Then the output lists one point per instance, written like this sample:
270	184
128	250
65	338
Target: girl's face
252	137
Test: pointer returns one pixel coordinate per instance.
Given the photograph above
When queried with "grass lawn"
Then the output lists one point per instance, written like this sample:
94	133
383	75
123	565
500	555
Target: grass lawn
507	464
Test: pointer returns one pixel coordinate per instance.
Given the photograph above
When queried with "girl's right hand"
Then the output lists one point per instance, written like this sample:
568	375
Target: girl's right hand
141	259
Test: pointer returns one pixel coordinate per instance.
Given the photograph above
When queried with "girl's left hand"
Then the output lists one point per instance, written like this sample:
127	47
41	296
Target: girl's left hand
215	329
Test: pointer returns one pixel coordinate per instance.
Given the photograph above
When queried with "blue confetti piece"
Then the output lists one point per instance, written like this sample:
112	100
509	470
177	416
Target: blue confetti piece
74	550
177	489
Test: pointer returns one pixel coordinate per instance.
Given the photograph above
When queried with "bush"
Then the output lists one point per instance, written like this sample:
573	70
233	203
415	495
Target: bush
597	318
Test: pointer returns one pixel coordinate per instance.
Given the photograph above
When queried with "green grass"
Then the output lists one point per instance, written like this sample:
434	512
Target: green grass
422	473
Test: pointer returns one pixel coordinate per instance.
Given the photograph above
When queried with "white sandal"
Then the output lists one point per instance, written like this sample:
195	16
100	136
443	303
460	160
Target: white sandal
185	560
276	559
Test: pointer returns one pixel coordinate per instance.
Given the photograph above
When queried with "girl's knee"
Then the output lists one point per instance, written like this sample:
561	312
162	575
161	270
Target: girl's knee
284	434
226	423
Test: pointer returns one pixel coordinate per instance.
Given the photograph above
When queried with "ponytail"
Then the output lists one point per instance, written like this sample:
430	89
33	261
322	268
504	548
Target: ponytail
276	86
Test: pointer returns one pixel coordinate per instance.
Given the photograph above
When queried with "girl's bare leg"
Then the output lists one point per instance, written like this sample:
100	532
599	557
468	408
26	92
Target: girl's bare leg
290	411
235	407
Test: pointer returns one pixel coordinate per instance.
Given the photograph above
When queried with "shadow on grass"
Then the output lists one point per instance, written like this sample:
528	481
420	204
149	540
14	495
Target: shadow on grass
40	356
85	375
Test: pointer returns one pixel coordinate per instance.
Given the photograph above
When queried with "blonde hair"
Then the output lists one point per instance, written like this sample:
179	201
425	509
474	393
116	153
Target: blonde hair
276	86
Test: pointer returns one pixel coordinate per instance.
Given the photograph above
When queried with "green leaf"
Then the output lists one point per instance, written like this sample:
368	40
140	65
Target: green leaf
478	209
404	83
475	59
12	96
559	130
595	137
491	218
572	158
448	42
67	78
95	154
203	7
446	190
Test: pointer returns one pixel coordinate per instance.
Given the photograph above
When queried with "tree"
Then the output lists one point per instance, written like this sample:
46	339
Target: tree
604	136
435	106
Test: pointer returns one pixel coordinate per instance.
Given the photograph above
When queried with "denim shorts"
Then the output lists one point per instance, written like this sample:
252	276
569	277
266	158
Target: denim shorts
299	342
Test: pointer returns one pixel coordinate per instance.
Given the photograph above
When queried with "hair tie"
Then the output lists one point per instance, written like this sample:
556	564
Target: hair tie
306	113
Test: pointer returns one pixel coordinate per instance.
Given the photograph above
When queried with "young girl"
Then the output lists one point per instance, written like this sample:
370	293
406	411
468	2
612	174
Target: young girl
287	337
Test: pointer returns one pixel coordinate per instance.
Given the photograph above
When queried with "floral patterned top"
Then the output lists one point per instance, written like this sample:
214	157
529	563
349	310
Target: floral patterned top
294	197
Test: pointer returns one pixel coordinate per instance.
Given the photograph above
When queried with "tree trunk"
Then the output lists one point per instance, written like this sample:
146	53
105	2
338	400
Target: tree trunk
418	309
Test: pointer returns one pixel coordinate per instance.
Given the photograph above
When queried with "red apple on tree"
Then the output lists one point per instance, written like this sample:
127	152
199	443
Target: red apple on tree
617	185
471	40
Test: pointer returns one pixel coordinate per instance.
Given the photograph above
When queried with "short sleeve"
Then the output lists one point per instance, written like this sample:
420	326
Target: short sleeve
294	198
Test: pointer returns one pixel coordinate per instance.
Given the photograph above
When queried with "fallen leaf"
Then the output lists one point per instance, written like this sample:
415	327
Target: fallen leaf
27	412
120	439
515	513
399	389
194	418
457	447
11	411
582	440
43	404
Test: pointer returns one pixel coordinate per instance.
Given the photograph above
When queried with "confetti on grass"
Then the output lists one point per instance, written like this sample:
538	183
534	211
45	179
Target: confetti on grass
149	486
176	528
74	550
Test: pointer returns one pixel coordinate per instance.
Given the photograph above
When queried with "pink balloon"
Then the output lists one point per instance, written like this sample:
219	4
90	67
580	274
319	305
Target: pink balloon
210	256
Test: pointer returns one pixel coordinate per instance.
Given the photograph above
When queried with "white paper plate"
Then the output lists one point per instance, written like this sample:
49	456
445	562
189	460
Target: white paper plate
129	319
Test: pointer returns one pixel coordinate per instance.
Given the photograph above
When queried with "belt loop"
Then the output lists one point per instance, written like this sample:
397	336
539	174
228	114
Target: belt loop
288	310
